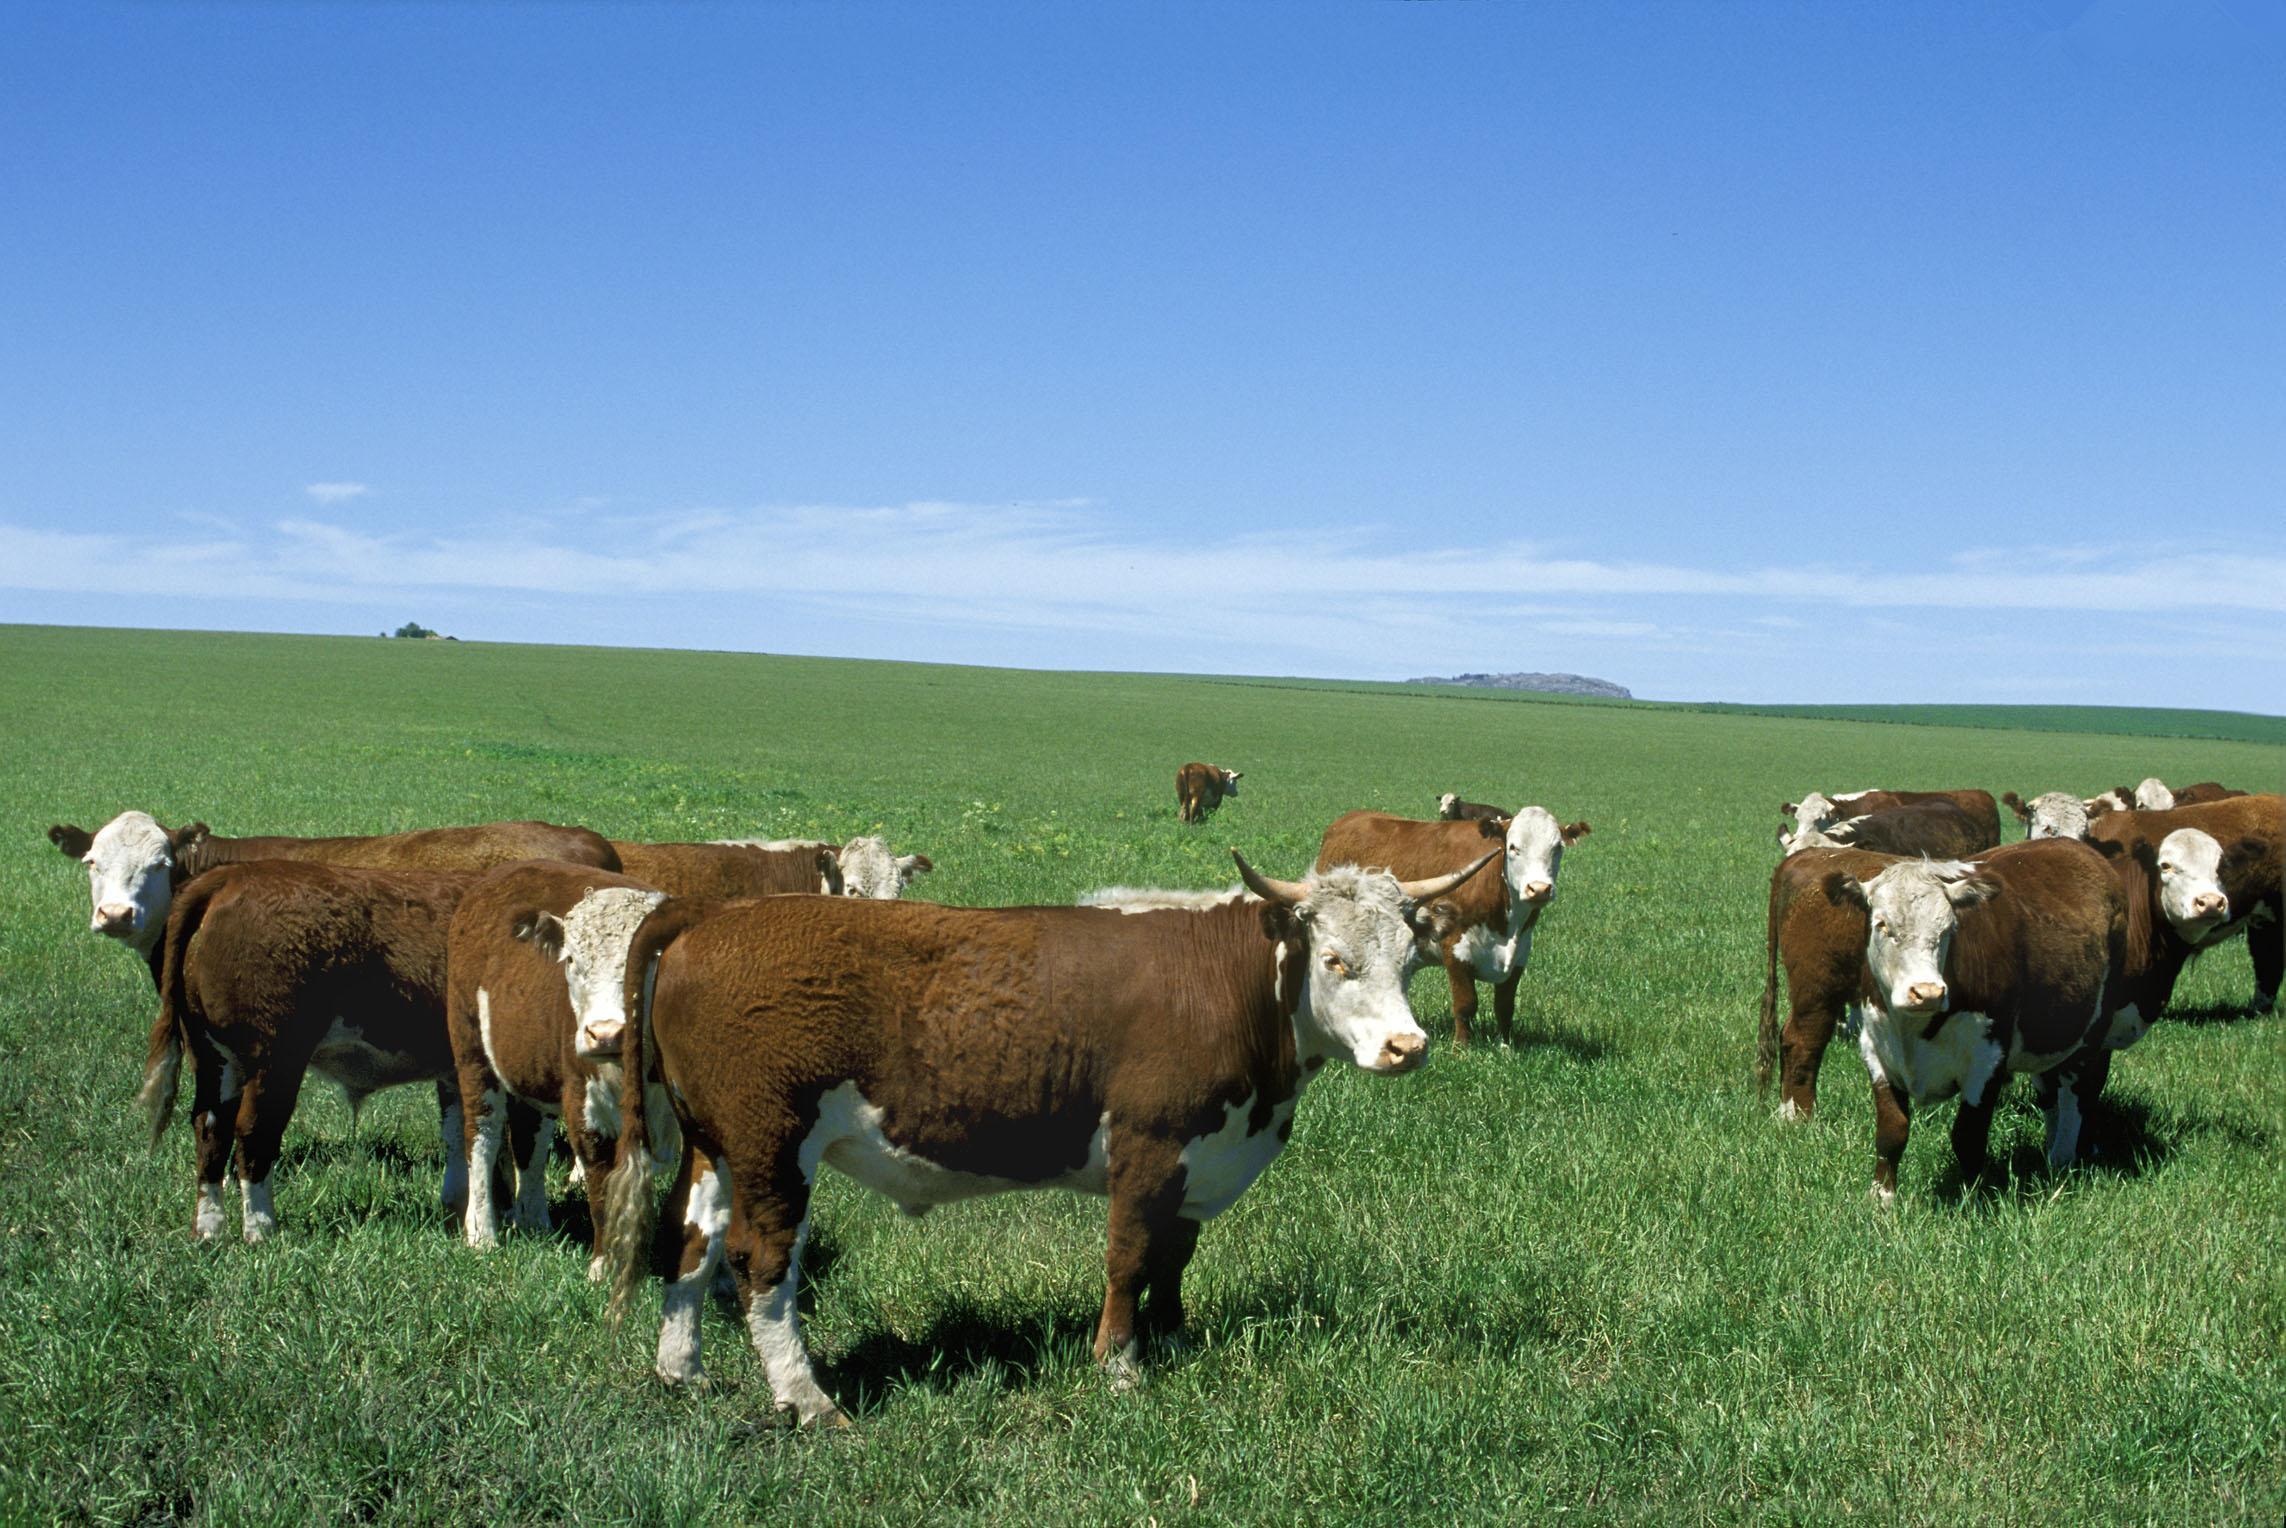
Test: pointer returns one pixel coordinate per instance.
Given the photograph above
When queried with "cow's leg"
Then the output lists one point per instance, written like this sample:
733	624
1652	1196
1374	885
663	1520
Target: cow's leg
2068	1097
1801	1051
1146	1193
1172	1244
265	1104
2266	946
484	1114
769	1219
1464	1000
592	1157
452	1130
701	1207
214	1111
1892	1120
1972	1130
1504	1003
534	1135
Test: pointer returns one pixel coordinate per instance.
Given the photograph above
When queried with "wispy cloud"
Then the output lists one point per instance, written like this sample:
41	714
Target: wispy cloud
336	493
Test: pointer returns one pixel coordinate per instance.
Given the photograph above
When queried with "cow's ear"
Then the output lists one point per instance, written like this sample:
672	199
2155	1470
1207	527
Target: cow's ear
1975	891
1787	810
1575	831
1436	921
75	842
910	865
1280	922
828	861
1492	827
542	930
1843	887
185	837
2015	803
2241	857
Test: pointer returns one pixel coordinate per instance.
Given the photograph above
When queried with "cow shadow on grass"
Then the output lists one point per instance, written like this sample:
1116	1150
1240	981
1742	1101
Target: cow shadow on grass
317	1151
2125	1138
2217	1013
1530	1035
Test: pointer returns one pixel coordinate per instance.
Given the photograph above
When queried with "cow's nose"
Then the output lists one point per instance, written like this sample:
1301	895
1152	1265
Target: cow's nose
1402	1053
114	918
1926	994
1538	891
600	1039
2209	904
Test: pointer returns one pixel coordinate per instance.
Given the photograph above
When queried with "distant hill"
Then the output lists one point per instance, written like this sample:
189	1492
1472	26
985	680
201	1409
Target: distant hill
1546	684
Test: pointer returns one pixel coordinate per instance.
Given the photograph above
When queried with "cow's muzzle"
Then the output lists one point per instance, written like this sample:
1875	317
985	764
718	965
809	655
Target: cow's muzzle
1924	998
116	919
2209	904
599	1042
1402	1053
1539	891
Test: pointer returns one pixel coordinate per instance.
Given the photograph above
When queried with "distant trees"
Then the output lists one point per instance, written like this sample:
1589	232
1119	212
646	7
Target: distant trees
413	629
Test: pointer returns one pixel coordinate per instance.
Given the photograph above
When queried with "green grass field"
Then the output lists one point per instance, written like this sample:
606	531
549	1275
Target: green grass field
1585	1275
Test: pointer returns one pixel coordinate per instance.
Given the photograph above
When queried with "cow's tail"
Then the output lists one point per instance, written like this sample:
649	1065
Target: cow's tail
630	1201
1766	1038
163	1054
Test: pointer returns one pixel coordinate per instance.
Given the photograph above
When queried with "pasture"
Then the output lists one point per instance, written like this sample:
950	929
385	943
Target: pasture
1583	1274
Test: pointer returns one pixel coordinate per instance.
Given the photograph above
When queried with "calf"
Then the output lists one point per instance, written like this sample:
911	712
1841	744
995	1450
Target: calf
513	1012
275	967
1199	789
1489	933
1975	973
1450	808
2240	855
1819	811
2053	814
1936	828
938	1053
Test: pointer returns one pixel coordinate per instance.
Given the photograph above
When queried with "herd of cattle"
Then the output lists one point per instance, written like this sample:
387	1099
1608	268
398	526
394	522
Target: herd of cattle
778	1005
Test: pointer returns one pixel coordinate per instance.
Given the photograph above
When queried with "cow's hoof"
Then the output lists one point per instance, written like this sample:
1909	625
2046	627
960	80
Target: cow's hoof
1123	1374
684	1382
1883	1198
596	1270
2265	1001
832	1419
261	1231
1792	1113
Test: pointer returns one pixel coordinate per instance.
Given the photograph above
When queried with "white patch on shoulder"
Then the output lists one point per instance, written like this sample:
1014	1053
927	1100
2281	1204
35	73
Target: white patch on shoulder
1221	1165
848	1135
2127	1026
1962	1059
1496	954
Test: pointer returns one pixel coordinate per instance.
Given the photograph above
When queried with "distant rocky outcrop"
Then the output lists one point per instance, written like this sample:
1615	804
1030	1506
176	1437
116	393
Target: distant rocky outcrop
1546	684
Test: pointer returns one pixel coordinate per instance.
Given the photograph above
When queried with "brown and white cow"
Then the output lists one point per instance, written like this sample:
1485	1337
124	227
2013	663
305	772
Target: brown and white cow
1492	918
273	968
513	1008
1199	789
1937	828
1818	811
1450	808
938	1053
135	864
2053	814
863	867
2231	845
1975	973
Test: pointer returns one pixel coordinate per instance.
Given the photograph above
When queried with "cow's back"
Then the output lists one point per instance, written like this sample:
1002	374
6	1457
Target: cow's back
480	847
1413	849
727	872
1938	828
2251	831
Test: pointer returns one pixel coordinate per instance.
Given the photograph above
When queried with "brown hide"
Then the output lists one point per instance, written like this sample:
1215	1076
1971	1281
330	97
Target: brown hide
1198	791
1821	940
1982	811
1936	828
2204	792
728	871
530	1057
262	960
472	848
1471	811
2251	831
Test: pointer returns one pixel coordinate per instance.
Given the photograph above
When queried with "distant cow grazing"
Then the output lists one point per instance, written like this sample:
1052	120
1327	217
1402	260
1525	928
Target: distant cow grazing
1450	808
2243	835
1975	973
512	1009
1818	811
1199	789
1493	918
1935	827
2052	814
134	864
938	1053
275	967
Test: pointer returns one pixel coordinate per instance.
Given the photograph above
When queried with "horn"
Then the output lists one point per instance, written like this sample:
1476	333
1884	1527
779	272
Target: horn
1437	886
1286	892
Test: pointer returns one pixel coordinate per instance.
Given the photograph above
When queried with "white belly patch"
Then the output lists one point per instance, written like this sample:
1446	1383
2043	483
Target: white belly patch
1962	1058
848	1135
1217	1168
1493	954
2127	1026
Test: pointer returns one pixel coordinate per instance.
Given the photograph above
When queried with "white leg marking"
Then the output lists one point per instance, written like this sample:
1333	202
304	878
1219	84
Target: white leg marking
482	1228
709	1212
777	1330
2063	1127
1790	1112
206	1221
261	1217
531	1211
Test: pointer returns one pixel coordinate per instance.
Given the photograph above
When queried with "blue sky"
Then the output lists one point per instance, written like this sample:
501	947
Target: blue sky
1757	352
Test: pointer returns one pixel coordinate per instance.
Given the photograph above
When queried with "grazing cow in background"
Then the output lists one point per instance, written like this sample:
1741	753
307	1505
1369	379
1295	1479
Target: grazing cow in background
1450	808
1975	973
1820	811
2242	858
1936	828
1490	932
1199	789
863	867
2052	814
1821	938
938	1053
275	967
134	864
514	983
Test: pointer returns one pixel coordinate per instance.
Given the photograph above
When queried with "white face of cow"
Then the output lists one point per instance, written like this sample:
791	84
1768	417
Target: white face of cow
595	936
130	874
1534	852
1915	910
868	869
1353	1001
2153	796
2190	883
2058	814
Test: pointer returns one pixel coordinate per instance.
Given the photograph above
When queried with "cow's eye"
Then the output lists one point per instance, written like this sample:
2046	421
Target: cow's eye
1336	964
2166	868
